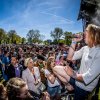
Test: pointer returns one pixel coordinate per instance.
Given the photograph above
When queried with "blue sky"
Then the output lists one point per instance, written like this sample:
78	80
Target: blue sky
44	15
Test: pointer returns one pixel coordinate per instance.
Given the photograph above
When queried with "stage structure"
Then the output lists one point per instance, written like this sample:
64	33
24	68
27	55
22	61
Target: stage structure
89	12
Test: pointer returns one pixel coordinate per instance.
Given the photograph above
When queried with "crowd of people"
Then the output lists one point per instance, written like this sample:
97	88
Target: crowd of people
34	72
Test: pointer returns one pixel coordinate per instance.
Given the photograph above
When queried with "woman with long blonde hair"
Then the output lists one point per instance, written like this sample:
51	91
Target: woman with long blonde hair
85	80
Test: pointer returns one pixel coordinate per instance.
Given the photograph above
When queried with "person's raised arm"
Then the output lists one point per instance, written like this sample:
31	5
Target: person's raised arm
50	76
73	46
74	74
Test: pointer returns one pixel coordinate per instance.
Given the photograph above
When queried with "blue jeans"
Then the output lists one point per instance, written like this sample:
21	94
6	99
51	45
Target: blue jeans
80	94
54	90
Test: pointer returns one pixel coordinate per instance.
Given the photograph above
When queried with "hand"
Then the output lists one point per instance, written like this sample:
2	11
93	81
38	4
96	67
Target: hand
35	63
78	39
51	58
32	70
46	96
36	82
69	71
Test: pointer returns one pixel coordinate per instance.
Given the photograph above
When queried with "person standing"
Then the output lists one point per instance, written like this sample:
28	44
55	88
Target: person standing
31	76
85	80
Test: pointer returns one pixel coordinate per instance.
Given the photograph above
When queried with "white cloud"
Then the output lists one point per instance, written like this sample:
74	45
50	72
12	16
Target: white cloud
60	18
45	3
31	17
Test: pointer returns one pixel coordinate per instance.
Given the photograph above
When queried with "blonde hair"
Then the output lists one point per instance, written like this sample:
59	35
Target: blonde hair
49	65
94	35
3	92
26	61
14	86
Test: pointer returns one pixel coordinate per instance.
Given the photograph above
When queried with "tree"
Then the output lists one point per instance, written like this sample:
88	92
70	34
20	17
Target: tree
47	42
34	36
12	36
67	37
30	35
5	39
18	39
56	34
42	37
2	35
23	40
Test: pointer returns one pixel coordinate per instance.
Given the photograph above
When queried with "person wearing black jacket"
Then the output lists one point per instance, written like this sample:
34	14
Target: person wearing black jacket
14	69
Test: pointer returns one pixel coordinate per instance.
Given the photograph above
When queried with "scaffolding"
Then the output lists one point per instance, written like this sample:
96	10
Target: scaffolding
87	11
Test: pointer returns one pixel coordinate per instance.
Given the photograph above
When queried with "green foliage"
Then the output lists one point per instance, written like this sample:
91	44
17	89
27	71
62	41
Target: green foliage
56	34
67	37
30	35
61	41
2	35
10	37
23	40
13	37
34	36
99	93
46	42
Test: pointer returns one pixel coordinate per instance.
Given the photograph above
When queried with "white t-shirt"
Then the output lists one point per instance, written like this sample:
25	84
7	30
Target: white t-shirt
90	67
56	83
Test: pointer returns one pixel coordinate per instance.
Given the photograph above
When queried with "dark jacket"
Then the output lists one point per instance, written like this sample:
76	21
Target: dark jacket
11	71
